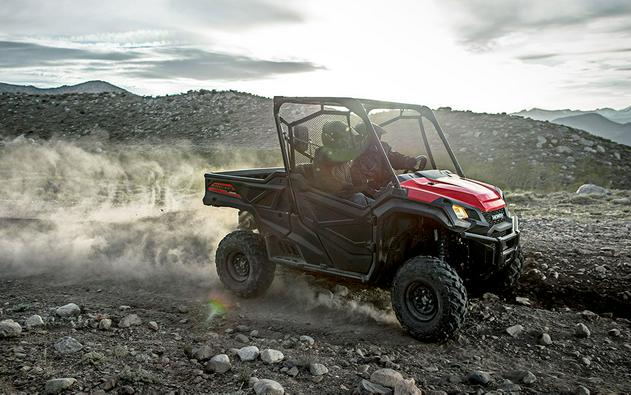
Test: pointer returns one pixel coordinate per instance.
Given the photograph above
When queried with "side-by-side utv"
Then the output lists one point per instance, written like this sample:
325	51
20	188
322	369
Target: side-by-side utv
426	231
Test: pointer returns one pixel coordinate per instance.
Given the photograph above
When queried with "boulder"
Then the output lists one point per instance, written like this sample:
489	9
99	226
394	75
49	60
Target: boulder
68	310
68	345
10	328
268	387
591	189
386	377
271	356
219	364
366	387
57	386
248	353
34	321
130	320
317	369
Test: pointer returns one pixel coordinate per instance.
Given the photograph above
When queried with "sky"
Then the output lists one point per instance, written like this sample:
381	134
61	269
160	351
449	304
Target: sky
480	55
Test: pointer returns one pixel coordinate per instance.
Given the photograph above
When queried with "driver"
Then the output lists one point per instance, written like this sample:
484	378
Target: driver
332	163
371	167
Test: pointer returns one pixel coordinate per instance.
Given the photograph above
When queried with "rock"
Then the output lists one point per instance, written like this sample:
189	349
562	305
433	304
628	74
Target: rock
34	321
252	381
544	339
68	310
202	353
366	387
268	387
581	330
479	377
105	324
293	371
219	364
130	320
582	390
153	326
248	353
56	386
591	188
317	369
563	149
515	330
68	345
386	377
436	392
340	290
271	356
522	301
10	328
307	340
407	387
242	338
615	332
528	378
622	201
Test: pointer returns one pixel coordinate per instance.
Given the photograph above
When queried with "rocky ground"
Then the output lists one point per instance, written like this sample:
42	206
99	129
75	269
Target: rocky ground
564	329
107	285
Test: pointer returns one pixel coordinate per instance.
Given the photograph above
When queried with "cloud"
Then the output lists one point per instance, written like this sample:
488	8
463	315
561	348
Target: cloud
204	65
24	54
238	14
160	62
478	23
71	17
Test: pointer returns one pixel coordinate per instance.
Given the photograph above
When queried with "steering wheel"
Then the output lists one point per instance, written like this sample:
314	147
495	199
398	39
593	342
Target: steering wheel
422	162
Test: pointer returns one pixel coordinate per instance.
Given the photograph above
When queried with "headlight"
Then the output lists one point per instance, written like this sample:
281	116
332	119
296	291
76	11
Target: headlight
460	211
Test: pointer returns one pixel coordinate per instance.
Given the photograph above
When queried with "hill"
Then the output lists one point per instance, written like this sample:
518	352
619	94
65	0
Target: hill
600	126
84	87
620	116
509	151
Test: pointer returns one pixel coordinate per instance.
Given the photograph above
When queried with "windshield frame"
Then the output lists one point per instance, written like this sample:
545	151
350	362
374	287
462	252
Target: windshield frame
362	108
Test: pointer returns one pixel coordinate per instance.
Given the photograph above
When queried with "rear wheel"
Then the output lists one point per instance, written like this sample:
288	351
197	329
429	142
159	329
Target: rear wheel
429	299
242	264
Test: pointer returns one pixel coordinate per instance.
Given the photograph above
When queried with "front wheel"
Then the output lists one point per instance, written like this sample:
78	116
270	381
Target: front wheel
242	264
429	299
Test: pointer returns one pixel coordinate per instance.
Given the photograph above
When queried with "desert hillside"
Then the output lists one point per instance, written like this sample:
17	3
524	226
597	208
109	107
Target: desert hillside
510	151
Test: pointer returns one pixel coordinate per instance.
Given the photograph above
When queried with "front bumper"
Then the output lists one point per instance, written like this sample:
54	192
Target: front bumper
501	250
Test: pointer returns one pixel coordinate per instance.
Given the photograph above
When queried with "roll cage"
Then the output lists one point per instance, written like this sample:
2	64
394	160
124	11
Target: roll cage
290	139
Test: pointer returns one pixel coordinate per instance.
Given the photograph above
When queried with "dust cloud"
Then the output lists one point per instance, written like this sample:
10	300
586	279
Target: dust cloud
129	210
91	209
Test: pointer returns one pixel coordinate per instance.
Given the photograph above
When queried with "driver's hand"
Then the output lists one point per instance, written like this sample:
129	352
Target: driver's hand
421	162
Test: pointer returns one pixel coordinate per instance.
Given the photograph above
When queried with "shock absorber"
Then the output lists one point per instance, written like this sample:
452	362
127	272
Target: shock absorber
441	243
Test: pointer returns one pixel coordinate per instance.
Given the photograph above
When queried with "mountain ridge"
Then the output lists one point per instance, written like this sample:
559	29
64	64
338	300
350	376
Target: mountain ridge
93	86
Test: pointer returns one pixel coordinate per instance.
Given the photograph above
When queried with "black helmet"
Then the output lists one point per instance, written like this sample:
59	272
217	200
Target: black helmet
338	142
363	130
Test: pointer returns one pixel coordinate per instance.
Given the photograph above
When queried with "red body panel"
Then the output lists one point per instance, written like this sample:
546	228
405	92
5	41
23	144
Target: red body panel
473	193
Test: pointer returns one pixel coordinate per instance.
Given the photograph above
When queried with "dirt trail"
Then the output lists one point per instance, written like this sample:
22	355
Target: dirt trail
354	333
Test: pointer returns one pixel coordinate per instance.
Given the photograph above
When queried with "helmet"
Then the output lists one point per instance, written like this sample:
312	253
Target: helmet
338	142
363	130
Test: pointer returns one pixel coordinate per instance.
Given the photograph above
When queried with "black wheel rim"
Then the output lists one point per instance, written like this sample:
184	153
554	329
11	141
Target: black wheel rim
422	301
238	267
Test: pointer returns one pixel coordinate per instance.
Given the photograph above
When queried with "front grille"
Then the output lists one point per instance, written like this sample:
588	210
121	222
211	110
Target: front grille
494	221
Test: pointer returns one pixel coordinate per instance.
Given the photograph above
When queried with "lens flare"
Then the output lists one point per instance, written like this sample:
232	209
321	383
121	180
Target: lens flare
217	306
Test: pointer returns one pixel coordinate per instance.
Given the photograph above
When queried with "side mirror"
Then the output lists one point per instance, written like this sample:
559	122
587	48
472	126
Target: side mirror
301	139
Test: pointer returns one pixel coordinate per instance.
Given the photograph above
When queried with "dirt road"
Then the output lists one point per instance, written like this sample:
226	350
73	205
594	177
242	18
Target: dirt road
578	272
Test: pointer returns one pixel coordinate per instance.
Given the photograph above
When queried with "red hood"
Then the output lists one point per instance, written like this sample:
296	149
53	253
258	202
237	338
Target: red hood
474	193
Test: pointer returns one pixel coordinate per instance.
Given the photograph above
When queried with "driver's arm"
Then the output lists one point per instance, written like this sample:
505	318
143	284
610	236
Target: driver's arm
398	160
